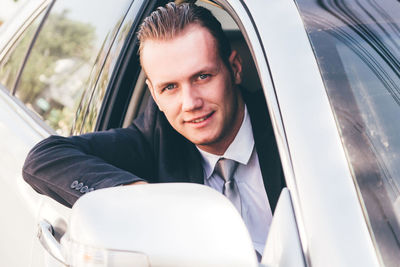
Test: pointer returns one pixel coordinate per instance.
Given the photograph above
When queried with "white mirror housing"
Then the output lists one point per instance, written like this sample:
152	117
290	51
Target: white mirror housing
172	224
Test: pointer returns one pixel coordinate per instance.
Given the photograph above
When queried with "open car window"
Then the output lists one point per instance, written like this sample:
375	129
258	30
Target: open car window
250	81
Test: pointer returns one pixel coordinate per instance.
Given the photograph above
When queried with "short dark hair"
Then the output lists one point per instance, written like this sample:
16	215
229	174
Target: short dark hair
167	22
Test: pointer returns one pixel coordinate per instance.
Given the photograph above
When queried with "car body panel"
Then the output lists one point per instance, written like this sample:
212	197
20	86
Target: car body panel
20	204
327	200
283	247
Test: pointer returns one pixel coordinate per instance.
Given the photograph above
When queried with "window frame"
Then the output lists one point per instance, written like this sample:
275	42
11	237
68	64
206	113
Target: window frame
241	14
238	10
125	75
9	45
28	52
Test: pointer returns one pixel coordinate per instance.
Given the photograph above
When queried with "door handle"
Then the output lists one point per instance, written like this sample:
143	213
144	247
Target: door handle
48	241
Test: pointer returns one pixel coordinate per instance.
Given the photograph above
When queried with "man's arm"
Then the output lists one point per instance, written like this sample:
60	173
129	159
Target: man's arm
66	168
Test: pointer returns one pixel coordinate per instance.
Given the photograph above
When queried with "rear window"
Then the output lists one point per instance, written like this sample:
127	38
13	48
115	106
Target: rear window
66	56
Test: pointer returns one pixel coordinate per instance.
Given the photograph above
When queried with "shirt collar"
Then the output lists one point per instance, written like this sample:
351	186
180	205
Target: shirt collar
239	150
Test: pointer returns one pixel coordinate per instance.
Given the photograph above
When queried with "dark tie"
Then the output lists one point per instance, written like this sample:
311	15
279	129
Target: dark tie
225	168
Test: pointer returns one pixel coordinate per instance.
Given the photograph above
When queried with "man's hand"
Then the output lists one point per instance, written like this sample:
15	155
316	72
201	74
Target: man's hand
138	182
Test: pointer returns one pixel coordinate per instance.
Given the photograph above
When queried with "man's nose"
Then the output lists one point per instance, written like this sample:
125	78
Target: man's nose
191	98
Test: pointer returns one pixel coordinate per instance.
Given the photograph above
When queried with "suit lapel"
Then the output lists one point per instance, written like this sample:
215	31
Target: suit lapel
193	161
178	159
190	167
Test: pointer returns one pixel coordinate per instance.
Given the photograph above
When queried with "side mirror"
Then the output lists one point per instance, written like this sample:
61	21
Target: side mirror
156	225
283	247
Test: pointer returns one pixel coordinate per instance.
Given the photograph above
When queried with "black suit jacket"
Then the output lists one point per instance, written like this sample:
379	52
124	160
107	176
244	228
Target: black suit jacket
150	149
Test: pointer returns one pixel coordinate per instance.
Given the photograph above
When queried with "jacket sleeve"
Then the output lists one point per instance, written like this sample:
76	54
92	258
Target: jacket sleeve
65	168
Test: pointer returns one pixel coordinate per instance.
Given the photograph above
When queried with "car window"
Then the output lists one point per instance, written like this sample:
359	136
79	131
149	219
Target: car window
357	48
66	58
11	62
112	93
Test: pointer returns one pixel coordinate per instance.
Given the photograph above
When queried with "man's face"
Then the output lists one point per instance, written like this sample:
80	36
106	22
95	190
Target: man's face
194	88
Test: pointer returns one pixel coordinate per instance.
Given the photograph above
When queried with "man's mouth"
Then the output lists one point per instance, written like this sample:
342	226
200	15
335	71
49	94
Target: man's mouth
198	120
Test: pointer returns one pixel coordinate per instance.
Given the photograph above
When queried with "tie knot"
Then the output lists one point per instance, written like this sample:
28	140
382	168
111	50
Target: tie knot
225	168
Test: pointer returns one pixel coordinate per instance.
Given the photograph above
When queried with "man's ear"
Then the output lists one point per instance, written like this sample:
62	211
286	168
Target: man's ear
236	65
151	89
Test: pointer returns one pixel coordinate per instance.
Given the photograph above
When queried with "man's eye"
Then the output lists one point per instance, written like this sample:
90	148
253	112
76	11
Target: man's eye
169	87
203	76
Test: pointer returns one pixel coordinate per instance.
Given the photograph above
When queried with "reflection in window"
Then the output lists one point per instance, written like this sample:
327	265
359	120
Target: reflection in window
102	85
57	68
358	51
11	63
66	59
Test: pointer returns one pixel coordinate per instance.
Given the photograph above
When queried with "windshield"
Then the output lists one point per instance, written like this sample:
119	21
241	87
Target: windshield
357	46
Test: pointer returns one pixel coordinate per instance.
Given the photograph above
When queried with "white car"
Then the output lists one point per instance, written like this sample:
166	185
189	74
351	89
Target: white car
330	73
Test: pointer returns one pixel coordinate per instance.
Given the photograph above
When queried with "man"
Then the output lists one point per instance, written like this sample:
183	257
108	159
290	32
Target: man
199	122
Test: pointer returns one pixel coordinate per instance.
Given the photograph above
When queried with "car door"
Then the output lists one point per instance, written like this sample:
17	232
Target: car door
316	170
48	78
113	24
19	132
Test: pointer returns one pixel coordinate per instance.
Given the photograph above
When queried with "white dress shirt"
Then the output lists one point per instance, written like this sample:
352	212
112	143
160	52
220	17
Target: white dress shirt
256	211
